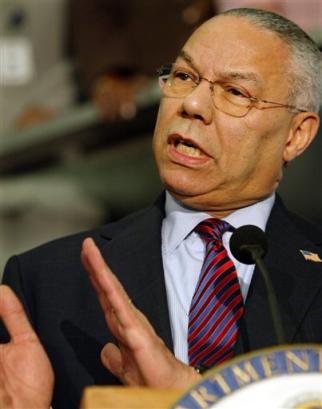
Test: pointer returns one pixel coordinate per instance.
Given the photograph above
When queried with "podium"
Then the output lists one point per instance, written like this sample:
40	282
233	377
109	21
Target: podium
122	397
288	377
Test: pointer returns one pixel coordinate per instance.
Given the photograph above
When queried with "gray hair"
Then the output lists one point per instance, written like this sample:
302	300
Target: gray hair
305	71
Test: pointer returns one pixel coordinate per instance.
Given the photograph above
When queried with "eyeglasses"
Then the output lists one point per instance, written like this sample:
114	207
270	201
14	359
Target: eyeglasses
230	98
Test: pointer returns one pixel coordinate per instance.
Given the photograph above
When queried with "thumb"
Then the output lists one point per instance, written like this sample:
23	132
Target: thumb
14	317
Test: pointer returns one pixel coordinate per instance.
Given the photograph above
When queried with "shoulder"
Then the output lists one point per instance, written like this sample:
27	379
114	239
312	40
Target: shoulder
66	250
288	222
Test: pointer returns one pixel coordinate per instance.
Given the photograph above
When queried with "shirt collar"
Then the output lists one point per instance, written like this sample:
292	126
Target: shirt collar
180	220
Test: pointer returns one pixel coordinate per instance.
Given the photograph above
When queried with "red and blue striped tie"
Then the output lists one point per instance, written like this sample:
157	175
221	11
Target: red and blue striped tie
217	304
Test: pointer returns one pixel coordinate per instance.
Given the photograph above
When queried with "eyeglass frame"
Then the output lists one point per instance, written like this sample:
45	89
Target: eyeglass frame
252	100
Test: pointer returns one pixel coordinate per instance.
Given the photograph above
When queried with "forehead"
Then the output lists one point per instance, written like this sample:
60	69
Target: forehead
234	44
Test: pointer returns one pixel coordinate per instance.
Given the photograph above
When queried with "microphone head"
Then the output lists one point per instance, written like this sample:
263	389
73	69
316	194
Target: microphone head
247	241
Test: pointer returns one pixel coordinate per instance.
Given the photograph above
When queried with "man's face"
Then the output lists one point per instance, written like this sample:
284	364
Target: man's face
206	158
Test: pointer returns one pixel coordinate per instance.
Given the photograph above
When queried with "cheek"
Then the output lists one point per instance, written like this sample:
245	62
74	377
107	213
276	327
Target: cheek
243	146
235	141
165	113
168	108
264	143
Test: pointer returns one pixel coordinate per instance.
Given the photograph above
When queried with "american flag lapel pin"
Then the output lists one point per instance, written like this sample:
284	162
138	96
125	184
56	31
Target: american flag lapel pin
309	256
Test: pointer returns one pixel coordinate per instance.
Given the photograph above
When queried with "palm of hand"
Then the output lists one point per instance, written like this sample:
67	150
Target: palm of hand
141	357
26	375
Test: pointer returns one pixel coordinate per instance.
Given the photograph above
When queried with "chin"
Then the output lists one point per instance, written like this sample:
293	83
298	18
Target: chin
181	186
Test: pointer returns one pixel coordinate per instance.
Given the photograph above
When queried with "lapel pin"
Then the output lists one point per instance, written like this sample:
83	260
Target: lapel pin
309	256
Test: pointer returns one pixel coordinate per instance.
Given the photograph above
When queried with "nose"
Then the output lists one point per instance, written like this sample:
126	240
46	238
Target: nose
198	104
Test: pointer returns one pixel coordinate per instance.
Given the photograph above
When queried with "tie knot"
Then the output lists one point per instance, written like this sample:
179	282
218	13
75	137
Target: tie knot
213	229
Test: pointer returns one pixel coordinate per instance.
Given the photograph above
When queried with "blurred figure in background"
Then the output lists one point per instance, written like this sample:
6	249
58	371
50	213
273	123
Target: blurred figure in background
35	76
119	44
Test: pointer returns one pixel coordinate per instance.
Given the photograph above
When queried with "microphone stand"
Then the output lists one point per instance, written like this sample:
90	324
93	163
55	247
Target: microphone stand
257	252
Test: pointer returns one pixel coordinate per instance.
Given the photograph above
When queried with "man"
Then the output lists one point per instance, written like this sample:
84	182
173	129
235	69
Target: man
238	104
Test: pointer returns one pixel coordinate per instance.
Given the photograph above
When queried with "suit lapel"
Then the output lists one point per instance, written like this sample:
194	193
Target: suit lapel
133	252
296	282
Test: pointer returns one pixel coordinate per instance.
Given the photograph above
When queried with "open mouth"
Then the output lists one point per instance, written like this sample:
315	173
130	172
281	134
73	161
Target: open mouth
186	146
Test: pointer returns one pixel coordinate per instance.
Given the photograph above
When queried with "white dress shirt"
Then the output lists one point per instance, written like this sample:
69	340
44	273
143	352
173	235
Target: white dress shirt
183	254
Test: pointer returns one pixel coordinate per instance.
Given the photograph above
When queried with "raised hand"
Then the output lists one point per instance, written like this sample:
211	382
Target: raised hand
140	358
26	375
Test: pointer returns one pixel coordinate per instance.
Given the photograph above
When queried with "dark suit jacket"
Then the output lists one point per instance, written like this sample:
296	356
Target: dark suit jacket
63	308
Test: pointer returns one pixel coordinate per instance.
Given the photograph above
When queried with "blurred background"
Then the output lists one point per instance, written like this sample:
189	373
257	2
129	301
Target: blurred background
78	102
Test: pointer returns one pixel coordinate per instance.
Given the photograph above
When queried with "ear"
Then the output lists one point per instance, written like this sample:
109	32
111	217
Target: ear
304	127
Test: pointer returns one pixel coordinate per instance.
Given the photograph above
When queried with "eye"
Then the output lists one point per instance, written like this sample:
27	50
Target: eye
183	75
235	91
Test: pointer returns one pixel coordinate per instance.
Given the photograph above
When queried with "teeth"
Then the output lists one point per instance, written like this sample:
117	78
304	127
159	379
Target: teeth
188	150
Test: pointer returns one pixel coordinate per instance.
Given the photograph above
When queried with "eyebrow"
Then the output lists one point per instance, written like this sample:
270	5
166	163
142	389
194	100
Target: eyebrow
232	75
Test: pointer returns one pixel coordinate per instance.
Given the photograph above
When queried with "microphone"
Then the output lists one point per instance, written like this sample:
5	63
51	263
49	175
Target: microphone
249	245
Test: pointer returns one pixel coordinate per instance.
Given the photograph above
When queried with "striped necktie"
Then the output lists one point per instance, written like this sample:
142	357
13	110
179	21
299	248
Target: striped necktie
217	304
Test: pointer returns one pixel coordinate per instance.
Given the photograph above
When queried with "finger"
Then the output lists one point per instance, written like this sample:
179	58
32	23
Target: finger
126	371
103	300
112	359
108	311
105	305
110	292
14	316
107	285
